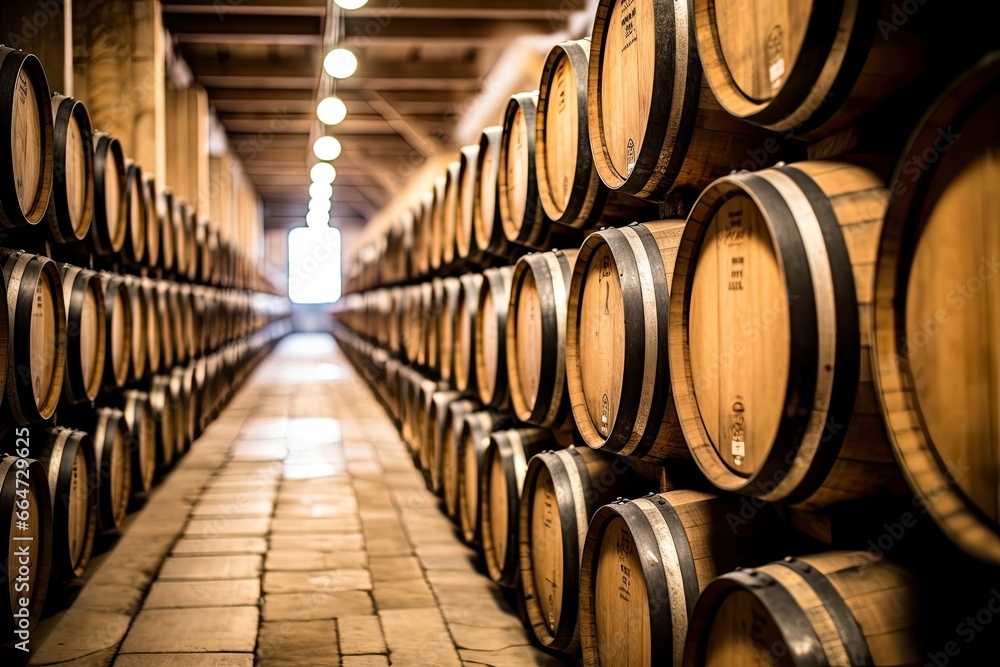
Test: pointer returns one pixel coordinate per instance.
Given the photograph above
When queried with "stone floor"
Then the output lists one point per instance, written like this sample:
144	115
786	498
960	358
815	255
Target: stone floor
296	532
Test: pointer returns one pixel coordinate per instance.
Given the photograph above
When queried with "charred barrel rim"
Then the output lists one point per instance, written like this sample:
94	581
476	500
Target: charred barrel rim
635	283
817	46
486	237
802	381
902	229
521	231
84	281
109	148
504	572
135	227
30	271
68	444
661	608
64	228
585	178
12	64
42	523
556	466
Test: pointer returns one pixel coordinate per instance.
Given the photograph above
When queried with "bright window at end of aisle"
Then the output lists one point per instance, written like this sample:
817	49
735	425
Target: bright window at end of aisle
314	265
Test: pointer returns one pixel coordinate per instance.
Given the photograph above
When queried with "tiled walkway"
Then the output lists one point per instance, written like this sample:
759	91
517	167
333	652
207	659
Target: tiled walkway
296	532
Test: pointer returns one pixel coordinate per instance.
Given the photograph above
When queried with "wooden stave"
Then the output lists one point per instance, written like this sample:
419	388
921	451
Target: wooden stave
463	346
497	283
75	281
24	272
154	222
111	432
831	578
139	359
467	176
183	399
431	314
165	323
42	551
449	213
191	242
114	289
178	323
163	410
782	477
447	459
435	421
61	228
107	147
473	439
12	64
423	395
677	514
134	248
488	238
934	485
512	449
422	234
445	328
642	271
693	119
135	408
591	202
552	272
168	222
58	454
534	228
437	195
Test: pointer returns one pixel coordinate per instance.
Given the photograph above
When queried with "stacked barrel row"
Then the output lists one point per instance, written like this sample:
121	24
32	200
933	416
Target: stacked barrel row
126	323
798	322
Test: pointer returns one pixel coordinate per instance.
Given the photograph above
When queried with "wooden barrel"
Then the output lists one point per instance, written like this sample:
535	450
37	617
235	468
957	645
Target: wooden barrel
207	246
490	337
134	249
114	464
71	208
400	247
423	397
446	317
444	471
415	323
438	425
521	214
168	233
465	202
190	222
769	341
655	124
163	410
836	608
86	333
118	348
423	211
25	499
434	240
562	491
936	292
160	331
569	188
192	319
141	325
464	344
70	465
616	327
25	150
449	212
155	251
501	477
488	238
178	211
536	337
178	322
109	226
646	560
138	415
394	319
183	392
36	316
809	69
432	314
472	442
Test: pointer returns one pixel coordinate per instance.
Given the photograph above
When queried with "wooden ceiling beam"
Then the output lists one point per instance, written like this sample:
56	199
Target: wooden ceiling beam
464	9
223	9
451	32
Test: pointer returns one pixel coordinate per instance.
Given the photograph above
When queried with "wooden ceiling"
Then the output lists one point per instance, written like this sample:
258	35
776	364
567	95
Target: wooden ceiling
420	63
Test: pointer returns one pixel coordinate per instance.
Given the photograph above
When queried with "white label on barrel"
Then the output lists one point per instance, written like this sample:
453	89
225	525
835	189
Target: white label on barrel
774	48
630	156
777	71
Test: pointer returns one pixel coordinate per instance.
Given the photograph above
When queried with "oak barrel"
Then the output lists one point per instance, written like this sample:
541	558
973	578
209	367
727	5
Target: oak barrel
158	292
431	314
616	328
86	333
36	315
109	226
464	344
134	249
141	324
446	318
27	558
770	317
836	608
522	216
112	444
501	477
444	471
71	467
422	232
71	208
646	560
936	292
436	421
536	337
465	251
569	188
163	409
182	392
562	491
434	248
118	312
488	238
472	443
490	337
138	415
655	126
27	144
449	212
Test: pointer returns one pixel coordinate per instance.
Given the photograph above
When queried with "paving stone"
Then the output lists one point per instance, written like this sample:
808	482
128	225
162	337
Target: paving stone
237	508
365	661
315	526
206	546
453	556
201	630
222	527
394	568
185	660
360	635
347	511
298	644
313	606
227	593
514	656
330	581
418	637
211	567
81	633
487	639
102	658
313	561
403	594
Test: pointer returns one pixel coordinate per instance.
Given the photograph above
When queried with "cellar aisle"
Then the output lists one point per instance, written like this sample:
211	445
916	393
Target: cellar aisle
296	529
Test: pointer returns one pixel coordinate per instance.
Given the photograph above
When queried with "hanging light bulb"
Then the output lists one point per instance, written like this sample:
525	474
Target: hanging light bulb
351	4
340	63
331	110
323	172
319	205
327	148
318	218
320	191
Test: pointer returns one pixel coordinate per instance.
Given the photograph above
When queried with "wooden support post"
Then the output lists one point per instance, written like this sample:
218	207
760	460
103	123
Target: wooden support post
44	28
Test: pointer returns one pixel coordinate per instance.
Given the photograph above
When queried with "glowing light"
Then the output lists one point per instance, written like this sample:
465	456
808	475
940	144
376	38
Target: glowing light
351	4
319	205
327	148
320	191
323	172
340	63
318	218
331	110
